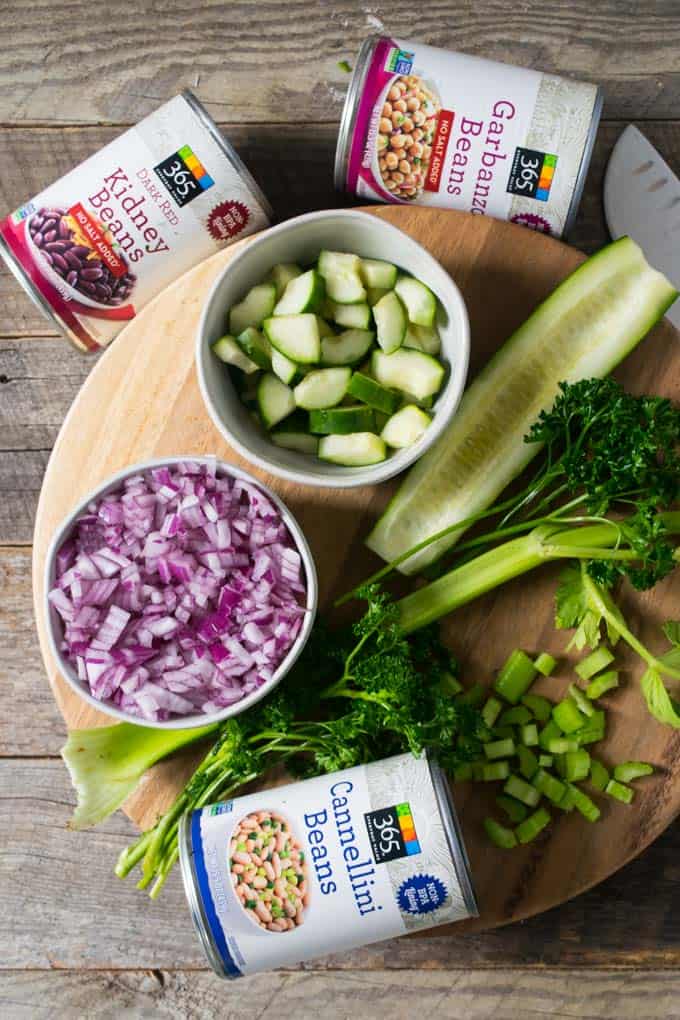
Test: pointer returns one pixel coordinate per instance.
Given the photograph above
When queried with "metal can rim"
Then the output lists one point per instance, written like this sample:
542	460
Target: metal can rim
228	150
350	110
454	835
584	166
189	880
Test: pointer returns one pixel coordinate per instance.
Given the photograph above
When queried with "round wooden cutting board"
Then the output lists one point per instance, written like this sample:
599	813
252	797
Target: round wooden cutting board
142	400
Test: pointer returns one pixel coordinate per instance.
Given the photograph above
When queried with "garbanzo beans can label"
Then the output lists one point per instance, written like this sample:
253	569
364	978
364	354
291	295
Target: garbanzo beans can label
96	246
432	127
327	864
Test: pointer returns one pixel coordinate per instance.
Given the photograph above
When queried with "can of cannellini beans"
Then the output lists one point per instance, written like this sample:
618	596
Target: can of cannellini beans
93	248
432	127
325	865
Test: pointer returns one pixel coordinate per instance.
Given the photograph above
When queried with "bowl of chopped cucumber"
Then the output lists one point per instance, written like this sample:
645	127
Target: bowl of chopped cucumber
333	350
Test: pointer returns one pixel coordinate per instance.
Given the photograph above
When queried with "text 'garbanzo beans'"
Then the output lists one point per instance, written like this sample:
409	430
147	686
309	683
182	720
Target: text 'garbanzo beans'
268	872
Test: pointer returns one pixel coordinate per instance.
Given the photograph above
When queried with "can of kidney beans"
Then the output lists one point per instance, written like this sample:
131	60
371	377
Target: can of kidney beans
93	248
325	865
432	127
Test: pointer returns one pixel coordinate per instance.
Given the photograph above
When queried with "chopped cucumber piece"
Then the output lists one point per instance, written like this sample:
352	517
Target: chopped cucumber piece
567	716
593	663
581	700
347	348
499	835
528	762
256	347
275	400
515	811
341	420
521	790
325	328
527	830
296	336
629	770
602	683
359	449
390	321
375	293
376	273
286	370
515	677
340	271
370	392
618	791
599	775
354	316
499	749
545	664
405	427
539	707
301	442
256	306
281	275
423	338
227	350
324	387
410	371
302	294
585	328
421	304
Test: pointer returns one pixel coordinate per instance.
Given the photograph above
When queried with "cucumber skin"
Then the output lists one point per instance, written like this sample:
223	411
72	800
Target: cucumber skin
370	392
660	297
341	420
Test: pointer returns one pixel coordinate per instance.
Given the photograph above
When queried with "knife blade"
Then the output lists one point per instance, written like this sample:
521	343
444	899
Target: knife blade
642	200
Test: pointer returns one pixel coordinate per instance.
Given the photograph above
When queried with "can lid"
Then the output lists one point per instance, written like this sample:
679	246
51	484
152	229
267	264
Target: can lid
350	110
229	151
454	835
200	922
585	161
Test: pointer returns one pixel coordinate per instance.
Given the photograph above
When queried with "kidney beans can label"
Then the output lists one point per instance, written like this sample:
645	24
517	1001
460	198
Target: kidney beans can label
431	127
325	865
96	246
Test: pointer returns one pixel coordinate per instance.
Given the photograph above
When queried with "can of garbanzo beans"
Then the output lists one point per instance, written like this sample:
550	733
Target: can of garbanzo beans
325	865
432	127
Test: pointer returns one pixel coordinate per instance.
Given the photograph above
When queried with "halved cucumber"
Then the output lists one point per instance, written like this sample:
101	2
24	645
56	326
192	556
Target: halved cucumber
325	328
281	275
391	322
255	346
253	310
370	392
423	338
358	449
301	442
347	348
283	368
303	294
227	350
376	273
354	316
340	271
342	420
323	388
274	400
408	370
405	427
582	330
421	304
373	294
296	336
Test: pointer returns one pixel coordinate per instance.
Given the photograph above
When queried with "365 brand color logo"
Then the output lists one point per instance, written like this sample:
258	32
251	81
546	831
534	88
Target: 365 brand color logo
184	175
392	833
399	61
532	174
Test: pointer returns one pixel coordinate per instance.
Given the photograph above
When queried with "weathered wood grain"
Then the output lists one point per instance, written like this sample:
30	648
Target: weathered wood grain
455	995
64	908
263	61
294	165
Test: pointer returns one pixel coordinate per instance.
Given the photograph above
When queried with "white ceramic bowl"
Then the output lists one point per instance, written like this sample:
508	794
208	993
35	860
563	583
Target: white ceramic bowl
300	240
54	625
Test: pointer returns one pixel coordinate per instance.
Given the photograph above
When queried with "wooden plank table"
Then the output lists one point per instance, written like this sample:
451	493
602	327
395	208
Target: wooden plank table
75	941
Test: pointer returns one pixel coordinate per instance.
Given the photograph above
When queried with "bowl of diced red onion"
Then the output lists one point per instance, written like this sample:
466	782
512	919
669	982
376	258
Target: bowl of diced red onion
179	593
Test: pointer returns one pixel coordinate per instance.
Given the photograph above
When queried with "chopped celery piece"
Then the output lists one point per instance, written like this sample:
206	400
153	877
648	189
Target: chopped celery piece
529	735
503	732
528	762
531	826
521	790
629	770
517	716
473	696
515	811
567	716
540	707
499	835
592	731
515	677
550	787
545	663
618	791
599	776
494	771
567	803
594	662
549	732
463	773
561	745
450	685
491	711
581	700
499	749
576	765
602	683
545	761
584	804
561	764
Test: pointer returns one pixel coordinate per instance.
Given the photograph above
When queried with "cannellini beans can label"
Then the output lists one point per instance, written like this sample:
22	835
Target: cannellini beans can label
96	246
325	865
432	127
